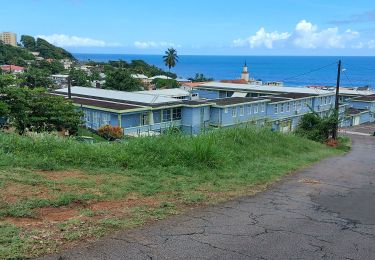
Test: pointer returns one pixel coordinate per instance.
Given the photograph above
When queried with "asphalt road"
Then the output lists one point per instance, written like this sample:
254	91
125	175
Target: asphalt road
324	211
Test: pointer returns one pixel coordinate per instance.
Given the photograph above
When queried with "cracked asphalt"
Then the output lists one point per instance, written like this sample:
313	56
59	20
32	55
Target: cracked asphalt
324	211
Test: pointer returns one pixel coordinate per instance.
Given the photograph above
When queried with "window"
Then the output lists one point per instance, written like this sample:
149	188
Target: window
288	107
256	108
95	117
166	115
294	106
234	111
299	104
106	119
176	113
242	110
262	107
144	119
226	110
249	109
275	109
282	108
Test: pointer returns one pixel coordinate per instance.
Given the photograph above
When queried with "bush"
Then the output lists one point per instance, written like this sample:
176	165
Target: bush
111	132
317	128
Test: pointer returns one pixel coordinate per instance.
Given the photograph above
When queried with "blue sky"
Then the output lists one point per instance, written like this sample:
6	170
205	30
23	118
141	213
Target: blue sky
225	27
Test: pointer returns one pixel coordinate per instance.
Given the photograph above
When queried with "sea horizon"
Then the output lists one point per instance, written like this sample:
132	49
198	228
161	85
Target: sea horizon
358	70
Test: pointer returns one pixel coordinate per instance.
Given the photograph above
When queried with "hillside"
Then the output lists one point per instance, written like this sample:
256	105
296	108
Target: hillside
82	191
14	55
46	49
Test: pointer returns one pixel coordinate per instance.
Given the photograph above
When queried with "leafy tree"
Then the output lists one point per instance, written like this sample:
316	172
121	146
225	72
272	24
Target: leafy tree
170	58
165	83
79	77
36	110
36	78
54	66
28	42
122	80
199	77
7	80
14	55
317	128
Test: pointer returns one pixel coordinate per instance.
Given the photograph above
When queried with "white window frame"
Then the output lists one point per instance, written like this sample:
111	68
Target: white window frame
288	107
276	109
226	110
282	108
262	107
249	107
234	111
242	110
256	109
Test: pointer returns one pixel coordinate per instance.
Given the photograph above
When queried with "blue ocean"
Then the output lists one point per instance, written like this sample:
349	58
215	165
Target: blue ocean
292	70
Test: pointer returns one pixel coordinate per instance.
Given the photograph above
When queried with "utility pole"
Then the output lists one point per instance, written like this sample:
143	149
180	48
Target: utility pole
337	106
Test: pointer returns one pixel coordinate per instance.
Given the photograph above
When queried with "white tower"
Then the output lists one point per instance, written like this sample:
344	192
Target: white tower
245	73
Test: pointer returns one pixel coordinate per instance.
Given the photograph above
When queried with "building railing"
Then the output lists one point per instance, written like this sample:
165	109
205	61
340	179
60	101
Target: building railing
154	129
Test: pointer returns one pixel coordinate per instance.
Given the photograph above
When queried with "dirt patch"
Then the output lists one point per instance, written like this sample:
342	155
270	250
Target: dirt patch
61	175
56	214
13	192
120	205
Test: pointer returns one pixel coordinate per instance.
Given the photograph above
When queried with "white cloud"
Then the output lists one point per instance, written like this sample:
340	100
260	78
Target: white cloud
262	39
305	36
63	40
152	44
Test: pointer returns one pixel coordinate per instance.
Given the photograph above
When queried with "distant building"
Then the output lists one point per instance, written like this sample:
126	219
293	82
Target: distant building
245	74
9	38
12	68
60	80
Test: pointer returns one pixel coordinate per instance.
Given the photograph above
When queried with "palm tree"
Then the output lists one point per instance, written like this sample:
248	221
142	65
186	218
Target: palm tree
170	58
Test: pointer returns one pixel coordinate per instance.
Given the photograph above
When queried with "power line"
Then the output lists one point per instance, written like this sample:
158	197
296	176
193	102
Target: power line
346	75
308	72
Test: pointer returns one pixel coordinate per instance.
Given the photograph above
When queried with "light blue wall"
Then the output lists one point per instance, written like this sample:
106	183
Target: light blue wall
131	120
95	118
208	94
363	105
290	108
222	116
195	119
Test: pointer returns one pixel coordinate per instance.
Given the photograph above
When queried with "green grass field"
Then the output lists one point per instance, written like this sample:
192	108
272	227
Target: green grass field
61	191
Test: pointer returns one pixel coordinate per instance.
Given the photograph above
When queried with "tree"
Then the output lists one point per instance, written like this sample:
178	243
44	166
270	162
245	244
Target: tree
36	78
122	80
28	42
165	83
54	66
79	77
38	111
317	128
7	80
170	58
199	77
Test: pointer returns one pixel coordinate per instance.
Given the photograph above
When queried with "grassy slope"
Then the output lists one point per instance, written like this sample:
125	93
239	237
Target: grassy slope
162	175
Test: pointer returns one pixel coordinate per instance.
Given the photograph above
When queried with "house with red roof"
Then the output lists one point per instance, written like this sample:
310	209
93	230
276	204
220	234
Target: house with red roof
12	68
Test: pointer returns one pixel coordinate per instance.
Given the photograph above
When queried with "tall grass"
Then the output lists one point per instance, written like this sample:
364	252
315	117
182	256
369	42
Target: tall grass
225	149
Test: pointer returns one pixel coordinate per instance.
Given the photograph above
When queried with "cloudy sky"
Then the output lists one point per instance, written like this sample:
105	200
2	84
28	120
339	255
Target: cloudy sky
226	27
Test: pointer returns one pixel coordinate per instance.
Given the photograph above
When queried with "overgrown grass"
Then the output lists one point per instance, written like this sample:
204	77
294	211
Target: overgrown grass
172	169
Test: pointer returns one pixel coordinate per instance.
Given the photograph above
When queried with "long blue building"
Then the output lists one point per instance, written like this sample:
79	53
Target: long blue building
212	105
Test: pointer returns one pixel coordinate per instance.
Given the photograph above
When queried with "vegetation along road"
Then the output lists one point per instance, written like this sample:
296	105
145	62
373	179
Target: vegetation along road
324	211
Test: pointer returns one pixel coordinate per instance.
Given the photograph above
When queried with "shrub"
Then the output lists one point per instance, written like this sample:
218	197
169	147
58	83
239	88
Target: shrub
317	128
111	132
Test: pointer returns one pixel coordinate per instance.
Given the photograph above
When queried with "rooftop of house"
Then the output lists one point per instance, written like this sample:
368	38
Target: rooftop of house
263	88
104	104
236	81
160	77
296	95
370	98
237	100
11	68
60	76
139	76
114	95
171	92
355	111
